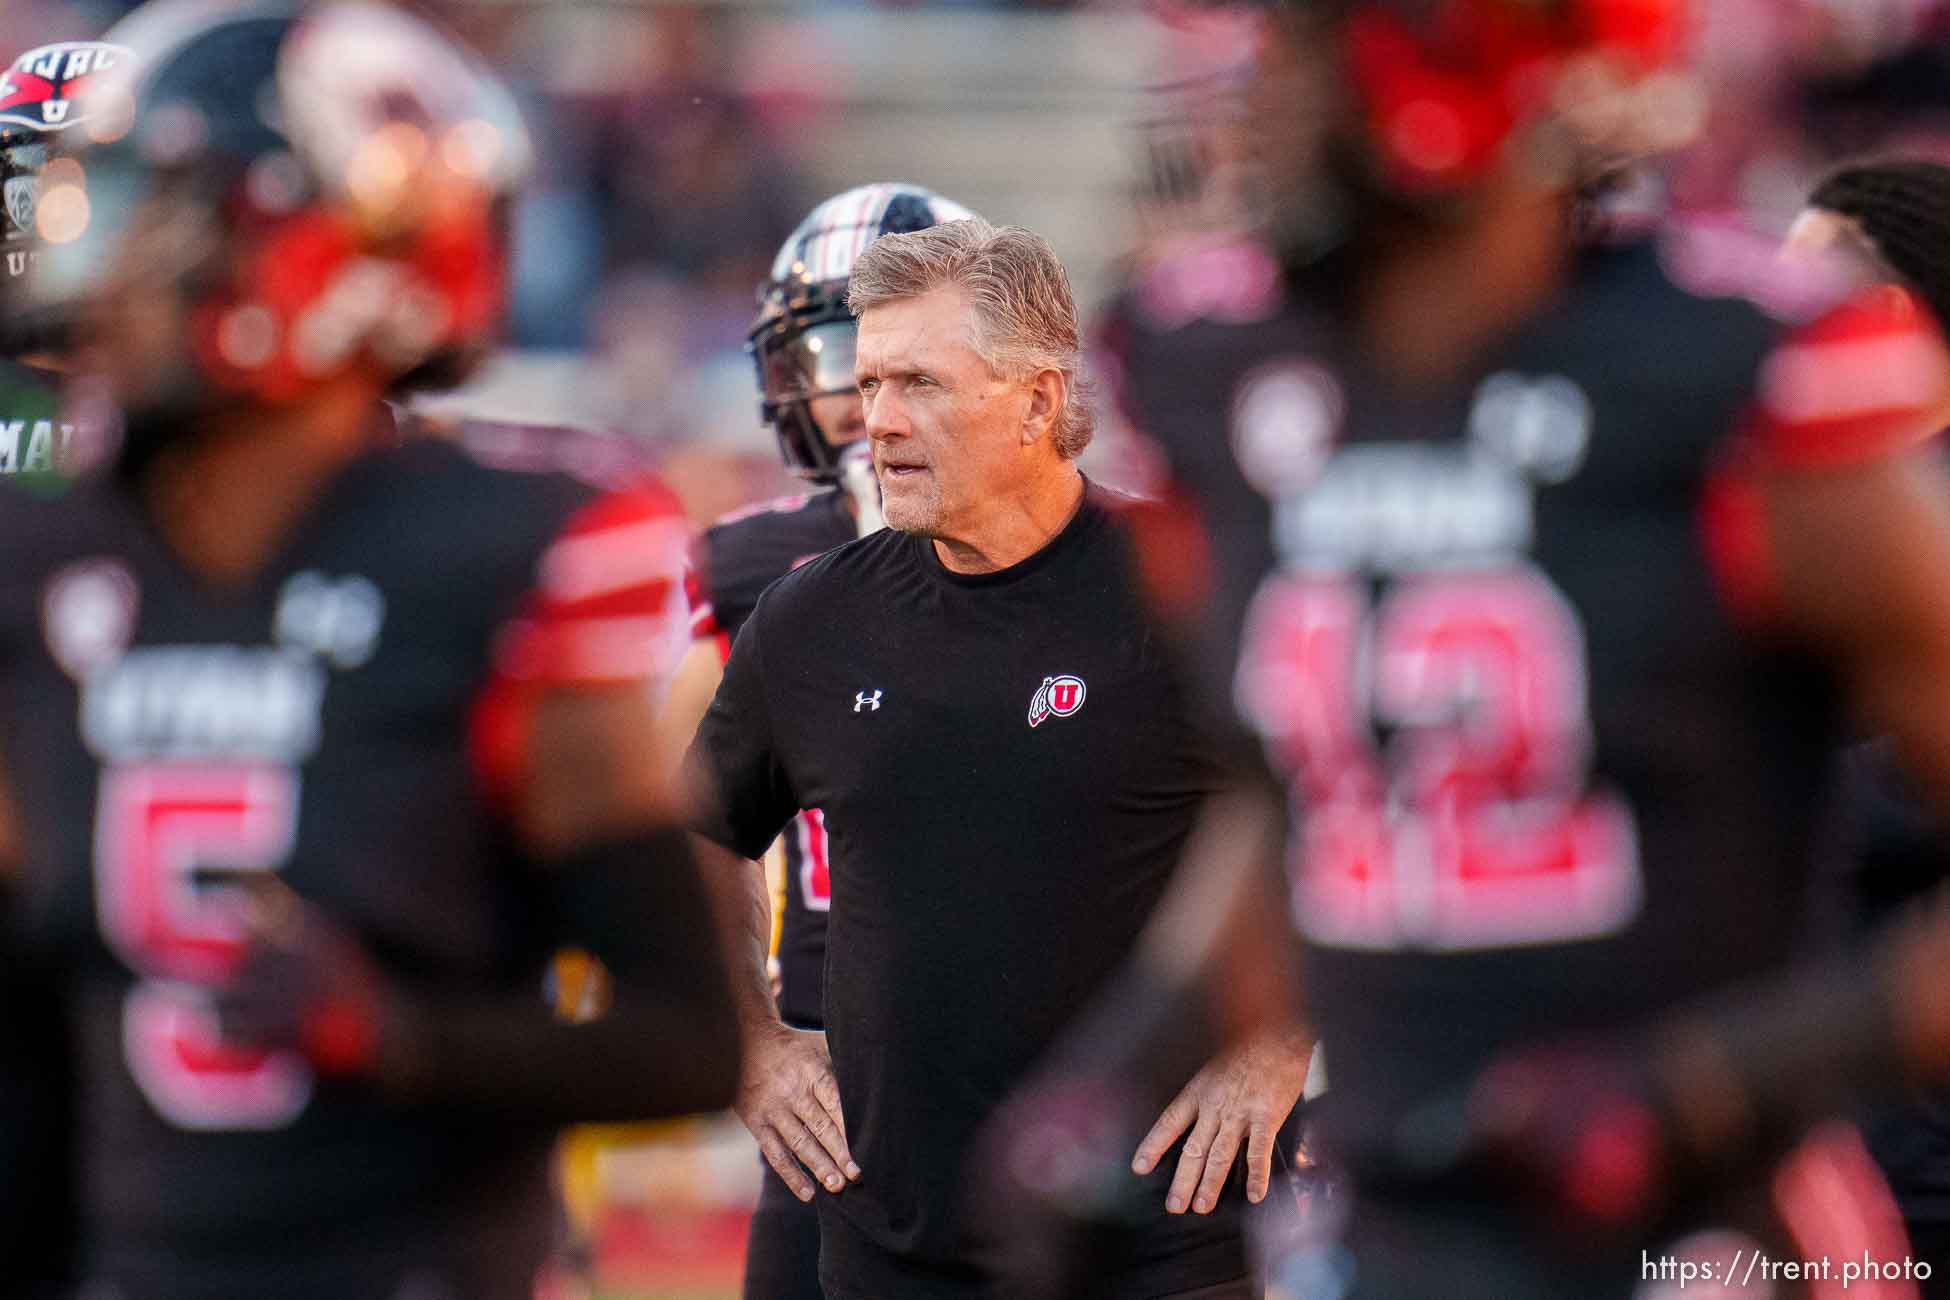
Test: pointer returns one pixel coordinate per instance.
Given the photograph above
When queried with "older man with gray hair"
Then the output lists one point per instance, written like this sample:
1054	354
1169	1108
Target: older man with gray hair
977	699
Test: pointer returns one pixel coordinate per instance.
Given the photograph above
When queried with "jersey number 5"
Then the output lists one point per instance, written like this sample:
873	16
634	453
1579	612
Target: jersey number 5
157	825
1440	742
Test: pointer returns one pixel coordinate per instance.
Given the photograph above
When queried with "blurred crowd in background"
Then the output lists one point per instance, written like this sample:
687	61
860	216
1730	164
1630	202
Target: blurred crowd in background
678	144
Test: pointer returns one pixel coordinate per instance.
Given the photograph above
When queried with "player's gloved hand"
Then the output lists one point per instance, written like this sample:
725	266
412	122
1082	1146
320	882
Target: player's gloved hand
1583	1134
305	985
790	1101
1243	1095
1611	1134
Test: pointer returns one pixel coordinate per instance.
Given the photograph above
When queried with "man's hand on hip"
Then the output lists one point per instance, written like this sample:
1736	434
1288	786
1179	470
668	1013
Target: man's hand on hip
1244	1095
790	1101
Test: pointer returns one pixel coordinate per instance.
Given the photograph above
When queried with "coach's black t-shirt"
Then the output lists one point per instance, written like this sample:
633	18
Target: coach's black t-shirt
1008	773
731	566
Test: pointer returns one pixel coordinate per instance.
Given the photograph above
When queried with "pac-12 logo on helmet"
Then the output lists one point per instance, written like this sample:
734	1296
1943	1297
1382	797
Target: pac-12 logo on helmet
1056	697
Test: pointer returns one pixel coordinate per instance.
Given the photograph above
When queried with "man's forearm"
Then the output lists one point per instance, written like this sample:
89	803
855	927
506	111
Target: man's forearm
666	1044
744	914
1776	1057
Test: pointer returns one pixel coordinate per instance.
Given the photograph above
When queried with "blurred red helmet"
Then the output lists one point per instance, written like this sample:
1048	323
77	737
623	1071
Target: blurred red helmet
323	185
1445	86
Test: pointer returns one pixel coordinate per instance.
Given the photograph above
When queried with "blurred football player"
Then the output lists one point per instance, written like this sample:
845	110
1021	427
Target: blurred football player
1544	580
1892	218
802	343
322	733
38	100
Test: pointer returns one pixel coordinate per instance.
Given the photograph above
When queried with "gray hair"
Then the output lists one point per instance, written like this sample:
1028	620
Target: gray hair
1025	315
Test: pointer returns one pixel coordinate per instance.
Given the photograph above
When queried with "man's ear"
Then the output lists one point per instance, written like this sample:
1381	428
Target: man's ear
1048	391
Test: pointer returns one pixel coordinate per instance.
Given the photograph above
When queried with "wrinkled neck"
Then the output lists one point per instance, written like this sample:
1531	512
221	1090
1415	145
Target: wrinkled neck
1013	528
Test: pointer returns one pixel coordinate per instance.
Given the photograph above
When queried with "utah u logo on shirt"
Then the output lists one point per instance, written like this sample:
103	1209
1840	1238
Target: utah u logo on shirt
1060	696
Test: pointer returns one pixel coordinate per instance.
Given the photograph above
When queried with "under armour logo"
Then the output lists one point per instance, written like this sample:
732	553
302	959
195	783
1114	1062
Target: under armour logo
862	700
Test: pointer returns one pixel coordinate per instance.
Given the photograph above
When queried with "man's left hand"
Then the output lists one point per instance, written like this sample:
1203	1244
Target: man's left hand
1245	1095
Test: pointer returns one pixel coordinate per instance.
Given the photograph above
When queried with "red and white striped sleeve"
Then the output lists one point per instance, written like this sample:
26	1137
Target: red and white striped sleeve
704	613
609	603
1870	378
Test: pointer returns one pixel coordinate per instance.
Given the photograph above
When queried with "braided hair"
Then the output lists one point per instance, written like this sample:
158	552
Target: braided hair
1903	210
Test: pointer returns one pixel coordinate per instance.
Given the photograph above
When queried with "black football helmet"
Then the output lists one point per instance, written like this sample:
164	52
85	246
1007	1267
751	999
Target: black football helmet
42	95
802	341
318	186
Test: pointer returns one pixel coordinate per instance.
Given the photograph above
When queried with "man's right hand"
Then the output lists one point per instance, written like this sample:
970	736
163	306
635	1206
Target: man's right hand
790	1101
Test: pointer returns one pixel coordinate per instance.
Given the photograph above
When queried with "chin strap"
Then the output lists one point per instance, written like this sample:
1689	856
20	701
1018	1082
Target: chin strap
858	481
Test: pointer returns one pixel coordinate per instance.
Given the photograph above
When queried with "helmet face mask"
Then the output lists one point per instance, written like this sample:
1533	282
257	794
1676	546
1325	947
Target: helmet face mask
809	362
802	343
797	366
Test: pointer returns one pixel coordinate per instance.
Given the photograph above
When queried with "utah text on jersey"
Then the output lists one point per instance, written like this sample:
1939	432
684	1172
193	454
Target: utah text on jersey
184	702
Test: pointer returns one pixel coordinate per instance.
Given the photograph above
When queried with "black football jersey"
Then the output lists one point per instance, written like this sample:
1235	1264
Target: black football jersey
1546	782
36	1123
1894	851
733	563
34	1088
341	720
